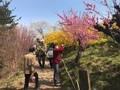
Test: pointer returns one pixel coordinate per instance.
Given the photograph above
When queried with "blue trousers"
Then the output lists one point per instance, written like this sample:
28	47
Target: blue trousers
56	73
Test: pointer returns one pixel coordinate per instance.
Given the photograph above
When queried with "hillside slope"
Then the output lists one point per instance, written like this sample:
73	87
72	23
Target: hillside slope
103	63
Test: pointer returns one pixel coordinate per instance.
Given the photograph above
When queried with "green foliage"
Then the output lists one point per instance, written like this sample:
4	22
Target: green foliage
103	63
6	19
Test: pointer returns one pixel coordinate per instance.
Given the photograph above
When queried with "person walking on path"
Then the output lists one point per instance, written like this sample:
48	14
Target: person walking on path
29	68
49	54
41	55
57	51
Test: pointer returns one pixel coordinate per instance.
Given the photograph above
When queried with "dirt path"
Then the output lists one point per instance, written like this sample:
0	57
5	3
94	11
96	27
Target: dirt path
45	80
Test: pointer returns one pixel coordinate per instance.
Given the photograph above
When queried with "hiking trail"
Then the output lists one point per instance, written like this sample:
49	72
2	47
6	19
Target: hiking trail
45	79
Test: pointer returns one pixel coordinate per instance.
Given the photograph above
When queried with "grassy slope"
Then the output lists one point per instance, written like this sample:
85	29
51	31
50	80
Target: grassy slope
103	63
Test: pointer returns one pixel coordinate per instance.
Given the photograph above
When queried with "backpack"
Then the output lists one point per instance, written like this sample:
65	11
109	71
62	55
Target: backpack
50	53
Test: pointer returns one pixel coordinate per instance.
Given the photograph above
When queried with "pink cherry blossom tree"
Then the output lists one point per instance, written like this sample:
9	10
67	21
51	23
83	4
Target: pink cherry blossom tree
78	29
106	22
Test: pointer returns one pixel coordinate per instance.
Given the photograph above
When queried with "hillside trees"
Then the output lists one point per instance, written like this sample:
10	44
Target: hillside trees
110	24
6	17
39	27
78	30
12	45
76	27
15	44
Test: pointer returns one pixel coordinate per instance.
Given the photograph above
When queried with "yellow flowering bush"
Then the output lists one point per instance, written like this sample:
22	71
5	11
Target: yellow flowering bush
58	37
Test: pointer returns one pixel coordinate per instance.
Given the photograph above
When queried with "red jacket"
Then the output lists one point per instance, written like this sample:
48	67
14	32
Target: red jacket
57	54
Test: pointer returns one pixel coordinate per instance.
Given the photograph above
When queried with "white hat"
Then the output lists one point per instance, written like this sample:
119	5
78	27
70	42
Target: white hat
42	40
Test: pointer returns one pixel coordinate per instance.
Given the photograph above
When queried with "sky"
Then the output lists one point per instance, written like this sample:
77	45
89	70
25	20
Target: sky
37	10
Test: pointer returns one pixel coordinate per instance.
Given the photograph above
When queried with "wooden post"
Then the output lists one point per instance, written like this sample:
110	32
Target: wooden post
84	80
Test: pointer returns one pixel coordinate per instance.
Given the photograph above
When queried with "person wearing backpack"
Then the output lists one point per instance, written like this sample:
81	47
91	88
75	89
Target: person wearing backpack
57	51
49	54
